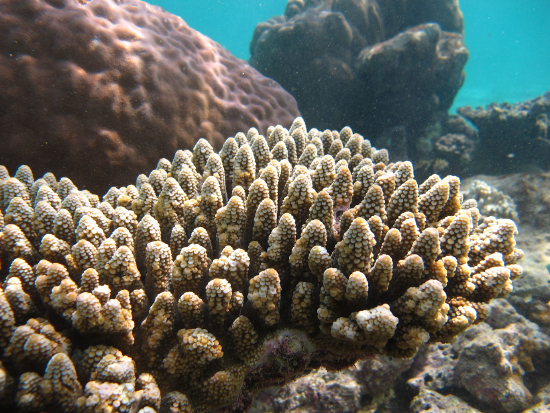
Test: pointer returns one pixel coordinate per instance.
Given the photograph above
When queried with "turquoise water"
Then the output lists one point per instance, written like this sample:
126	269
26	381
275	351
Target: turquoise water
509	41
228	22
509	44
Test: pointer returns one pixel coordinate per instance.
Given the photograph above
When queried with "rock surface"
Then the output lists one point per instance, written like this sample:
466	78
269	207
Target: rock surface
323	392
492	366
429	401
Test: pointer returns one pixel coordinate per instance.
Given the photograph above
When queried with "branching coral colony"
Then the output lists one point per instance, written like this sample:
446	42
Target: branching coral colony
222	273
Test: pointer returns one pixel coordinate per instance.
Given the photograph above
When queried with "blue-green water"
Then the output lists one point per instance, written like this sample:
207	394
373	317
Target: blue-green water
228	22
508	40
509	44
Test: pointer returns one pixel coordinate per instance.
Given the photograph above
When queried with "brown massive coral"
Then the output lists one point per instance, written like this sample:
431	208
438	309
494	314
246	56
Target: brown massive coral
101	89
295	251
383	67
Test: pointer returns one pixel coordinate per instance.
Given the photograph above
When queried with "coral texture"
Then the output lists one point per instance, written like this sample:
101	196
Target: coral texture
119	84
511	136
374	65
451	152
208	298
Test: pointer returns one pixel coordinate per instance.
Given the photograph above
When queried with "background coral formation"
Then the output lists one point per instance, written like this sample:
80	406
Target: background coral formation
119	84
501	138
373	65
391	70
491	201
530	192
288	252
513	137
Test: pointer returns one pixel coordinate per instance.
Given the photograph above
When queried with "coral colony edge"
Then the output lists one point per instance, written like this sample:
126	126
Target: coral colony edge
219	274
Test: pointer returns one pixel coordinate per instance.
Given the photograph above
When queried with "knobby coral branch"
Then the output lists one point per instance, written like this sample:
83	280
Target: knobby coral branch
219	274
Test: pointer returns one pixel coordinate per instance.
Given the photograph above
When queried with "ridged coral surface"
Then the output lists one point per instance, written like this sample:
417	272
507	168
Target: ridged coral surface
281	255
109	87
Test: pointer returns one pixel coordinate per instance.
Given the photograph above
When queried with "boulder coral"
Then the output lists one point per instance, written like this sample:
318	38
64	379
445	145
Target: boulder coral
101	89
375	65
152	298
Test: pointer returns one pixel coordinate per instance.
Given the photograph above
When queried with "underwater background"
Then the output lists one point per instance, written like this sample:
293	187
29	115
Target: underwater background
508	41
275	206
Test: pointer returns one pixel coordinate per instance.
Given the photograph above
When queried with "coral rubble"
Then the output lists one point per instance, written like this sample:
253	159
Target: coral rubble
378	66
119	84
300	250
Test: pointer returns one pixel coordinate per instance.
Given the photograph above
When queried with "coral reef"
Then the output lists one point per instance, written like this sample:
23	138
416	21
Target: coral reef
445	146
496	366
491	201
504	139
454	146
511	136
119	84
289	252
380	67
